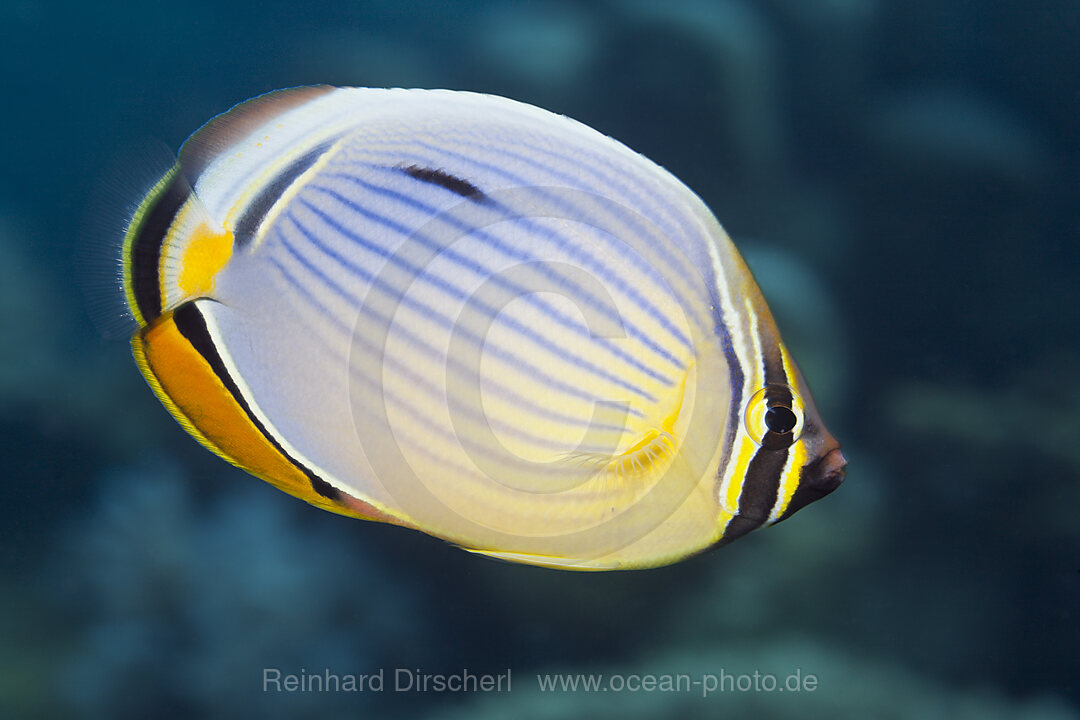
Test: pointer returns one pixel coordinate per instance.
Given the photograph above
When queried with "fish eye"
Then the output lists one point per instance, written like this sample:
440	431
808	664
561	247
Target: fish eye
780	419
774	416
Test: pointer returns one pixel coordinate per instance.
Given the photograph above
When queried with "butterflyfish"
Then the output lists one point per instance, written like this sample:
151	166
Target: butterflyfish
472	317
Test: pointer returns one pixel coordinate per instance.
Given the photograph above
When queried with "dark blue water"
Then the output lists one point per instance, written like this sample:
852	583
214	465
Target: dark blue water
903	178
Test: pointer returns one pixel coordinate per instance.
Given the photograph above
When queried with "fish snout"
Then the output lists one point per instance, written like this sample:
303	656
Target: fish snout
827	473
818	479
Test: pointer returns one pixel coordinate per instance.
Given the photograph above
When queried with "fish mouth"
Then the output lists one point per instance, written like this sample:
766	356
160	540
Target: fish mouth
817	480
827	473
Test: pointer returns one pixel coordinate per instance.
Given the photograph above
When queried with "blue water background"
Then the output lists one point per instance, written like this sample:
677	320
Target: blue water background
902	175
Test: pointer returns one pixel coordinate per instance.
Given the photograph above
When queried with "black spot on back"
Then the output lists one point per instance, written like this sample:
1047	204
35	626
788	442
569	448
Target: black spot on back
454	184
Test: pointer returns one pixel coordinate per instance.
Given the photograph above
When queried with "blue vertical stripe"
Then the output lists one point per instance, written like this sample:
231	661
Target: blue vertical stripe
496	244
568	245
416	415
587	162
426	349
433	315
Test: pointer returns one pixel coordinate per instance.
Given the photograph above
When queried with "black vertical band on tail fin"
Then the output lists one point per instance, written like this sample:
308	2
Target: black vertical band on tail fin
153	220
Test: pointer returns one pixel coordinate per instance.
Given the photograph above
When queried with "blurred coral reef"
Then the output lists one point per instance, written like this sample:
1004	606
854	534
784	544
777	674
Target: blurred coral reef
178	601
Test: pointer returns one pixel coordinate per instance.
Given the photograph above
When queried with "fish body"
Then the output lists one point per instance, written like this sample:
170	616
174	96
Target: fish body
472	317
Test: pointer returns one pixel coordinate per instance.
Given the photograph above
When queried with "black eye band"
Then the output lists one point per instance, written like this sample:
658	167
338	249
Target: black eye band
773	417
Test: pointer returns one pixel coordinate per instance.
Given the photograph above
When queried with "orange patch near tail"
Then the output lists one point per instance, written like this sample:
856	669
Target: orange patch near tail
192	392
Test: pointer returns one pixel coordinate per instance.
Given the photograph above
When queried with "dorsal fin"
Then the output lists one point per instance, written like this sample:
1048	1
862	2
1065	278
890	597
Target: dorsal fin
231	126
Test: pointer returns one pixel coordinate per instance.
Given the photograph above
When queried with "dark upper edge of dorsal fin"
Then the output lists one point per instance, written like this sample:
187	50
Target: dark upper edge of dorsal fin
236	123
